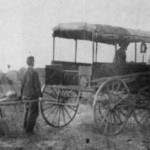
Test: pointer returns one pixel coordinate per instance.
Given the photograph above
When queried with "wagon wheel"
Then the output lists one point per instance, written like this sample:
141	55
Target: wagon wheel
142	108
60	107
112	106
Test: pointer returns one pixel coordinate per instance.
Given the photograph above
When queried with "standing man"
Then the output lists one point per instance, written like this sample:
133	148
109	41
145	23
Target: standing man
30	90
120	56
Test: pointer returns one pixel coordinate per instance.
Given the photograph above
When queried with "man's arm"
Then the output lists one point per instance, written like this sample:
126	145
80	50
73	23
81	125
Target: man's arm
37	84
23	83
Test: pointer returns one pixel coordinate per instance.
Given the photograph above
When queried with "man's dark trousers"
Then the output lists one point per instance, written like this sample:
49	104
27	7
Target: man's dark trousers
31	114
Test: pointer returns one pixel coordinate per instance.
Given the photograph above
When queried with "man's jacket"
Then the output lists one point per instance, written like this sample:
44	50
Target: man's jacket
30	87
120	56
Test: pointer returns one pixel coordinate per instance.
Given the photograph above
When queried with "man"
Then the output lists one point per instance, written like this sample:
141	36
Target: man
120	56
30	90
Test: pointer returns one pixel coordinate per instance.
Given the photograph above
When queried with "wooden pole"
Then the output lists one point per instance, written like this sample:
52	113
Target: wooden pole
53	48
92	47
96	51
143	58
135	52
114	60
93	51
76	45
115	48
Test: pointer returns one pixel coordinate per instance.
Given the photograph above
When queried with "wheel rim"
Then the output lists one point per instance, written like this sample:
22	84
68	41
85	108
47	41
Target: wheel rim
61	106
112	107
142	108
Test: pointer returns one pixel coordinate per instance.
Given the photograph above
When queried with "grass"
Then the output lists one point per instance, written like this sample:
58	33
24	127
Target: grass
11	122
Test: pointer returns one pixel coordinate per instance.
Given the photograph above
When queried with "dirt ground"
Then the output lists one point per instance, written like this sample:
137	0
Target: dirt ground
80	134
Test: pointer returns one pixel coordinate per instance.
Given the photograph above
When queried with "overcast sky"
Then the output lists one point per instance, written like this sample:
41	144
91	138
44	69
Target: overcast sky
26	26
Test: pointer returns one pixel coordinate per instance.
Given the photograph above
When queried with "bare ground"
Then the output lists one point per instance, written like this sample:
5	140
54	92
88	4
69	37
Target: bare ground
72	137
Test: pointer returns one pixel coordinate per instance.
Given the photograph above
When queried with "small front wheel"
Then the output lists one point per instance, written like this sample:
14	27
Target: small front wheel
59	106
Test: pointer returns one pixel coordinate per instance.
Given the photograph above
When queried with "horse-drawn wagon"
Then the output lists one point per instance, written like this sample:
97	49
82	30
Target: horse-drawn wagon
119	89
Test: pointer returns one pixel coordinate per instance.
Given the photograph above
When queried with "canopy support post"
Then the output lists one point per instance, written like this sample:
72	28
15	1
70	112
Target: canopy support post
93	48
135	52
93	52
115	48
143	58
53	48
76	45
96	51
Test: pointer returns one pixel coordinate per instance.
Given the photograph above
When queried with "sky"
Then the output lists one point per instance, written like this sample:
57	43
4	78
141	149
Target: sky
26	28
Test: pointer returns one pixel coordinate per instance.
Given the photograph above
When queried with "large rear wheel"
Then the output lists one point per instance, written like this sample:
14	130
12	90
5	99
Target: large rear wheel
142	108
112	106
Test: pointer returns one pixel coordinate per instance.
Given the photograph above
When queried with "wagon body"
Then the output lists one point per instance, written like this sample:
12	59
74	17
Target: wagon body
71	72
114	85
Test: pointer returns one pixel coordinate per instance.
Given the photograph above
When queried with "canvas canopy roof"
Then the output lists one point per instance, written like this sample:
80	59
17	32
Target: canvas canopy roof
100	33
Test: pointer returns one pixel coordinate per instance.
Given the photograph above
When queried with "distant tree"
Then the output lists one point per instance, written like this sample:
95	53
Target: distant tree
8	66
149	60
20	73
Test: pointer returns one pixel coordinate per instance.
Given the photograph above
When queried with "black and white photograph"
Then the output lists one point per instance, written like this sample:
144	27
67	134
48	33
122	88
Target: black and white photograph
74	75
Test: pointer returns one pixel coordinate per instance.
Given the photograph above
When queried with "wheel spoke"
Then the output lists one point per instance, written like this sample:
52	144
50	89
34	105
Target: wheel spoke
113	86
113	118
106	125
63	115
72	94
59	115
55	91
122	113
123	90
71	107
122	103
117	116
69	94
55	115
107	88
110	117
67	112
118	86
48	107
63	93
49	94
54	108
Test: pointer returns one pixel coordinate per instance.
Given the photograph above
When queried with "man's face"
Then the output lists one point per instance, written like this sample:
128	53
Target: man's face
33	63
124	47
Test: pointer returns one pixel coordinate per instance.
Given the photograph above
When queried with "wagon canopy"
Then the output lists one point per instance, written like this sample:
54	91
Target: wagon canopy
100	33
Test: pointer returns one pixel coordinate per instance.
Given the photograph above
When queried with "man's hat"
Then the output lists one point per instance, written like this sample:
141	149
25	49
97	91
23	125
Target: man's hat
30	60
123	44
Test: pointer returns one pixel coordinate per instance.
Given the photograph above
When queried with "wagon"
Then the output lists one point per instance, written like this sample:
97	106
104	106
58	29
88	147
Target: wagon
118	90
